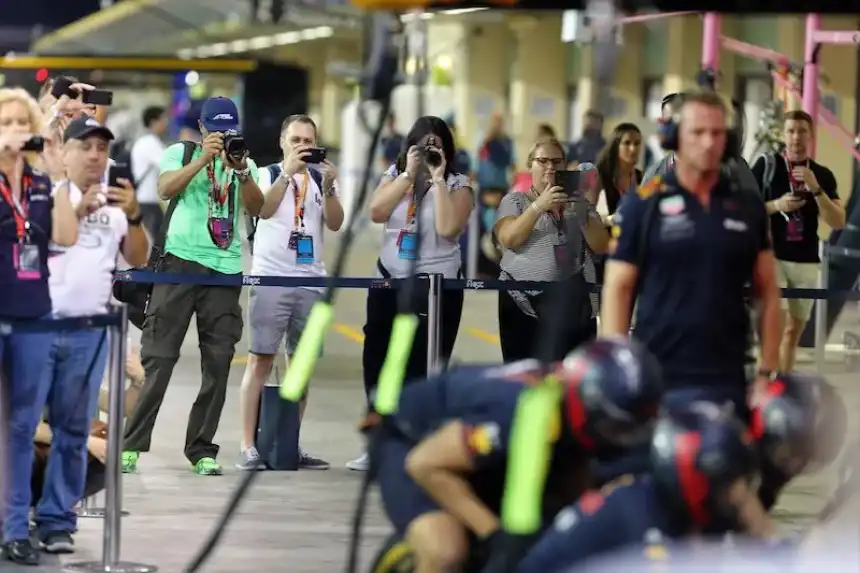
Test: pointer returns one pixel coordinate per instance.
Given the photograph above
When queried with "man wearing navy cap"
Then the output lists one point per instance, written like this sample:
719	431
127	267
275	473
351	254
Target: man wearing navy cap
80	281
207	184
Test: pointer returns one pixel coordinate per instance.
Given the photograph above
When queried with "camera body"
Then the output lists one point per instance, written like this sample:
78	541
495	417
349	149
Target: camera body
431	157
234	144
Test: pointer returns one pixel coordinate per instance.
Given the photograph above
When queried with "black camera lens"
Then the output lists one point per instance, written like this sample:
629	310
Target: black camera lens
432	157
235	146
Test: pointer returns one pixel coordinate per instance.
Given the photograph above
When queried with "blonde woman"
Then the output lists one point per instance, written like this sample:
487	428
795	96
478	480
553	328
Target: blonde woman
532	228
30	219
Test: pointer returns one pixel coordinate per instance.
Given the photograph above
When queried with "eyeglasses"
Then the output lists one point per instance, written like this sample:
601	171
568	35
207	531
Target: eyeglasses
554	161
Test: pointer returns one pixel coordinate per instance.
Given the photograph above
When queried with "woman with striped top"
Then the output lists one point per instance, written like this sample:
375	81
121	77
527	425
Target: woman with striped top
532	230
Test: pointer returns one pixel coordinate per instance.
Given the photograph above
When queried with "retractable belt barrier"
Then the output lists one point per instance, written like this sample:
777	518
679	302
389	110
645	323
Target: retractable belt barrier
373	283
116	323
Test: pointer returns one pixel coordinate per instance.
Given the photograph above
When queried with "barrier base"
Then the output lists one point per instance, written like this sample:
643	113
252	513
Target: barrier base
102	567
95	512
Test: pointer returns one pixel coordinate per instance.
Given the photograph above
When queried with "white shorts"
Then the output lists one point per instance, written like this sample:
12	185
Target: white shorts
797	275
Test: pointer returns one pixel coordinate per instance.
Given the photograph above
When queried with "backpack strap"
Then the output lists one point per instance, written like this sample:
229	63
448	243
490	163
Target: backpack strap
189	147
275	171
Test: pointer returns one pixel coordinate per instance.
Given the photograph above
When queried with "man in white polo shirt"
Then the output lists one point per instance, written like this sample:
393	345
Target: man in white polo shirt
80	282
287	242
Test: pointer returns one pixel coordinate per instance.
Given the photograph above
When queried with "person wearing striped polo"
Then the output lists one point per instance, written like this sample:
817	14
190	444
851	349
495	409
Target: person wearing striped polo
532	228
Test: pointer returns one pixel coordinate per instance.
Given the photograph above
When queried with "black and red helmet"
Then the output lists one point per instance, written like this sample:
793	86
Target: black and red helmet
799	423
699	452
613	389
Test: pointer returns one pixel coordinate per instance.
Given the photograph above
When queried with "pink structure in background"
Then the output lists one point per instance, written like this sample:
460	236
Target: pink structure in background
711	42
815	37
811	72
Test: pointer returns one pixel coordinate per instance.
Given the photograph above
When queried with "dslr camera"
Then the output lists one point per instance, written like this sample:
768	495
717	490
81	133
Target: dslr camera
234	144
431	157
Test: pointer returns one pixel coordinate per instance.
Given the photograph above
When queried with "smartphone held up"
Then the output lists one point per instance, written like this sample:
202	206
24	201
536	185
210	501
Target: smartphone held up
569	181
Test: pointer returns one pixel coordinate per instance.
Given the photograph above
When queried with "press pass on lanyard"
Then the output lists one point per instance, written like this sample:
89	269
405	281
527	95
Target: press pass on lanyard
25	255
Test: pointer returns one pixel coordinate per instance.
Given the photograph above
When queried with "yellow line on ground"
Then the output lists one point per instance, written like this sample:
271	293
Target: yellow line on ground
348	331
482	334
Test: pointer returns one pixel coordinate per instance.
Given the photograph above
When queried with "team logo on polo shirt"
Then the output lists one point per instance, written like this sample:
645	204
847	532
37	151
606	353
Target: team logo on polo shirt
484	439
673	205
653	185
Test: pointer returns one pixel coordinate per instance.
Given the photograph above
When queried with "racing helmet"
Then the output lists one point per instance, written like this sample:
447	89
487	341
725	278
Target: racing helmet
799	423
698	454
613	388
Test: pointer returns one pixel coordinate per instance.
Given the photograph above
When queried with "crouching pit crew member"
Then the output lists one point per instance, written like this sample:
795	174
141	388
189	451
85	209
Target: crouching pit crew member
699	438
442	456
687	244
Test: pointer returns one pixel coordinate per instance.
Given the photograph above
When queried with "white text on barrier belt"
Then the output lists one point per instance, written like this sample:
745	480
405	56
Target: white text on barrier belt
299	201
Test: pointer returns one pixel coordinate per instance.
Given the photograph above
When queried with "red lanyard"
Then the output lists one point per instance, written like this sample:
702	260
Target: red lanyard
218	191
795	185
299	195
20	208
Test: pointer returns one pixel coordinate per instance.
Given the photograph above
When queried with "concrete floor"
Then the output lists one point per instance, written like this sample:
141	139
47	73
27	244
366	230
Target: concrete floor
299	522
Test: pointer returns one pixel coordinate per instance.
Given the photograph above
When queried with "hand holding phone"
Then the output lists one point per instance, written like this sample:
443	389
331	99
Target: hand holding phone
569	181
117	172
315	155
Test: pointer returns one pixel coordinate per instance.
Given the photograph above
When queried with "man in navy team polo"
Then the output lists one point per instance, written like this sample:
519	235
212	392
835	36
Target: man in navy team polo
686	245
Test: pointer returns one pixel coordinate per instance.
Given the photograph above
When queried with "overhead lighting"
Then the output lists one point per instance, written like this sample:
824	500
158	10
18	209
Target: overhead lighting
256	43
458	11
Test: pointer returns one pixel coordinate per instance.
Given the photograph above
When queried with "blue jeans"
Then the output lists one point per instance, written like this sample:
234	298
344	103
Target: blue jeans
75	368
24	360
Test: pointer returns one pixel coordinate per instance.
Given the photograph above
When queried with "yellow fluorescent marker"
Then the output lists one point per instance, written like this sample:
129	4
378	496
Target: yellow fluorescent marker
528	459
394	369
304	360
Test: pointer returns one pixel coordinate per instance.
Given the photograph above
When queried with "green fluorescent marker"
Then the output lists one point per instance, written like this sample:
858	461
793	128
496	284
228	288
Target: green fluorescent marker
394	369
528	458
307	352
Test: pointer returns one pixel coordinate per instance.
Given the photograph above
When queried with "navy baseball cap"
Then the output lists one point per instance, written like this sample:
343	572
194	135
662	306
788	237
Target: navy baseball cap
84	127
219	114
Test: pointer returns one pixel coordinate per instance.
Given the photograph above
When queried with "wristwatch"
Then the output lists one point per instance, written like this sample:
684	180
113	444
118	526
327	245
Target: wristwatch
243	174
767	373
135	221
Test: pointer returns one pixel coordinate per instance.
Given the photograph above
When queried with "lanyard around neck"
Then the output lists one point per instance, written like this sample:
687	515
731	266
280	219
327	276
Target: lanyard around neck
299	194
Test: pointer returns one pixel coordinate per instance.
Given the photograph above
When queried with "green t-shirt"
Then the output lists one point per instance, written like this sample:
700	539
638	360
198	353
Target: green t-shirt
188	236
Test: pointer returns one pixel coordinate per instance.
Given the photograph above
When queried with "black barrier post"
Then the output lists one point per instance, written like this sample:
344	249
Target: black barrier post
112	535
434	322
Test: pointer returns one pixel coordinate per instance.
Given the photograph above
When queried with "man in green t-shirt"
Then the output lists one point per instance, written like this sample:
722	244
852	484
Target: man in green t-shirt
202	238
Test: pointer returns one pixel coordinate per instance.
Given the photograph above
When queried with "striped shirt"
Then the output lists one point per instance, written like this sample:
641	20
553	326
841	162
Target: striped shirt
535	259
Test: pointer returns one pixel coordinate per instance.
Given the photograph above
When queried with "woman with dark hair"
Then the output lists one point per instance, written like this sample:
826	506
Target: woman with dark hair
421	184
616	166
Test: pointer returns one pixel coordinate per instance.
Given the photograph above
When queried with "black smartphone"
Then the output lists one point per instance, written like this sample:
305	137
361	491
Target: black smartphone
63	86
315	155
569	182
97	97
116	172
35	143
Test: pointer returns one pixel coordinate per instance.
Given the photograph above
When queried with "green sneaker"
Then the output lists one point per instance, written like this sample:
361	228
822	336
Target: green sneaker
129	462
207	467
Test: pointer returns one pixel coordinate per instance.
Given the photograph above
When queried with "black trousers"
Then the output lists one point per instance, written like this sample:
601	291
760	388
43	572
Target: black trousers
381	310
520	333
219	328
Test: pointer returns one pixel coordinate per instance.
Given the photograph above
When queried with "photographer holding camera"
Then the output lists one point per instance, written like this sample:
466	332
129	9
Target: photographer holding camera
421	183
206	189
533	230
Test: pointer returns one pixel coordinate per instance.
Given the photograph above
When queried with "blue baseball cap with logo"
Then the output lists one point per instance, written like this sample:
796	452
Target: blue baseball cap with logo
219	114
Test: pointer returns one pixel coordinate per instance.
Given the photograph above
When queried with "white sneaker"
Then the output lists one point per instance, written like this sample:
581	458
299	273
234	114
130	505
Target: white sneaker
360	464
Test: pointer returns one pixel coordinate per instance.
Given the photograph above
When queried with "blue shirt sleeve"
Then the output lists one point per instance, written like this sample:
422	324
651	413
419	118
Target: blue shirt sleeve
627	228
487	435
